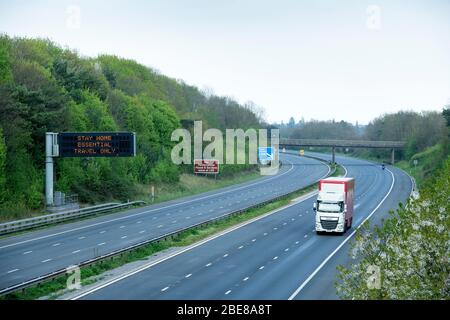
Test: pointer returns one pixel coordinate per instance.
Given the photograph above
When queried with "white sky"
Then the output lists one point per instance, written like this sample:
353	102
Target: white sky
312	59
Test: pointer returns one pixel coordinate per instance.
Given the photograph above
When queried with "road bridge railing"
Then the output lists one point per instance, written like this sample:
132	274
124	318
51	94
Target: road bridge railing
24	224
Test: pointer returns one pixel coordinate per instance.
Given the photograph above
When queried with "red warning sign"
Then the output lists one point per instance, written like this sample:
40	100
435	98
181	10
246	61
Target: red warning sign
206	166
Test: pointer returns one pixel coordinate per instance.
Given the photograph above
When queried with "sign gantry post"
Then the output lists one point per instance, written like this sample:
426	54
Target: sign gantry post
51	150
84	144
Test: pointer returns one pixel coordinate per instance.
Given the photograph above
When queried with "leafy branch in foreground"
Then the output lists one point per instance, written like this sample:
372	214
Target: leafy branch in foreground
407	257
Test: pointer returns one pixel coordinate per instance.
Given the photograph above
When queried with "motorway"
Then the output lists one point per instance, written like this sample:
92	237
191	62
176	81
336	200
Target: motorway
278	256
33	254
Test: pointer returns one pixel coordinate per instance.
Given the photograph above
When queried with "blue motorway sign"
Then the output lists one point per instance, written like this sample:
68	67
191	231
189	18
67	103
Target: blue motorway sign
265	153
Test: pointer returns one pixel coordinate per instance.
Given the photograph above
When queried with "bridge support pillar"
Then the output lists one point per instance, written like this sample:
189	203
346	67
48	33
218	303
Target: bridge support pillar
333	157
393	156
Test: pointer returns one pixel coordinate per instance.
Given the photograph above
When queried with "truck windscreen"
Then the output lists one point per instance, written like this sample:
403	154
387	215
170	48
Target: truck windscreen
329	207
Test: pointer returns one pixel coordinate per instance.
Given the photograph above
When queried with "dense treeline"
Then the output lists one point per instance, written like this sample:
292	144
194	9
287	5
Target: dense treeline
44	87
316	129
419	130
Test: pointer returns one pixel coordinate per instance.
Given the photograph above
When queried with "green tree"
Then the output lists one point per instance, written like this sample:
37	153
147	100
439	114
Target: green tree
408	256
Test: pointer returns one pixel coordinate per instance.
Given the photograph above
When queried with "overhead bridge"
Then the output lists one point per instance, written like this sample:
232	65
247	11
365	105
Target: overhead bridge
333	144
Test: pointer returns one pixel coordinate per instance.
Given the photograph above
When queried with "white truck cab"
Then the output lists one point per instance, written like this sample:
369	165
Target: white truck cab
334	205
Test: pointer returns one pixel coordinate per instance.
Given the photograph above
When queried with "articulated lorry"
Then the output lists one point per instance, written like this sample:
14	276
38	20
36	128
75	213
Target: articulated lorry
334	206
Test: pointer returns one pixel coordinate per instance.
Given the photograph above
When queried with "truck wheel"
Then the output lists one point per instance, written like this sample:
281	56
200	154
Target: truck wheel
345	228
351	222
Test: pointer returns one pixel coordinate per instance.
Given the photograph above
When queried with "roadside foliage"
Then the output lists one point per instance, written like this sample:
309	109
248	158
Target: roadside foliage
408	256
47	88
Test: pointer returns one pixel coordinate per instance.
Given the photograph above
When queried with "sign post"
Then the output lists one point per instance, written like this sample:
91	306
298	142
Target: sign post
51	150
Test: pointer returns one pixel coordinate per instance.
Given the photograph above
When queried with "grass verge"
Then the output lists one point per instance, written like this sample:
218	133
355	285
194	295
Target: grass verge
53	288
427	163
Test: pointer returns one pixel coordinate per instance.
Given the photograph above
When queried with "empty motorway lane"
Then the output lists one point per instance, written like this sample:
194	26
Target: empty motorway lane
37	253
275	257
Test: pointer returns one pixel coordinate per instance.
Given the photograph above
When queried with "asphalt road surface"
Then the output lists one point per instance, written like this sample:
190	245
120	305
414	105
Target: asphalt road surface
276	257
41	252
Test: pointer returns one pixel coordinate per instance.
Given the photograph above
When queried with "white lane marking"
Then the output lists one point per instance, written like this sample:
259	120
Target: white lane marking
141	221
300	288
284	224
188	275
13	270
275	258
81	238
145	267
142	231
76	251
264	181
240	247
160	226
152	210
27	252
228	292
174	221
56	244
154	218
253	240
123	237
188	217
225	255
296	242
275	228
293	219
286	250
262	267
245	279
46	260
357	205
306	236
102	231
164	289
121	227
102	243
265	233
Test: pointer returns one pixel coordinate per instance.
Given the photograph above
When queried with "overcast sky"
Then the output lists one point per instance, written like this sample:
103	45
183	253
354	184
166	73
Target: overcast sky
350	60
